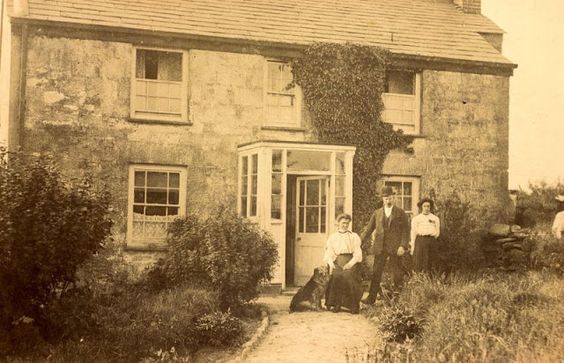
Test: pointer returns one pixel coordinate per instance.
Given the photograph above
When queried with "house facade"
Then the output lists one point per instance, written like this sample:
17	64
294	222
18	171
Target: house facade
177	105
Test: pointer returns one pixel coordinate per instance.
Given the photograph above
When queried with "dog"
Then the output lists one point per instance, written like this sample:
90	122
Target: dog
312	291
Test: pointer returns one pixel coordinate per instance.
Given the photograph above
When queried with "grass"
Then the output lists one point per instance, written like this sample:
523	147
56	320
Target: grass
480	317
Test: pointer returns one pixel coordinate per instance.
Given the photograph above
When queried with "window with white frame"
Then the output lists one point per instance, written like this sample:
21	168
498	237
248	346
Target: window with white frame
406	192
282	101
157	196
249	186
160	85
402	100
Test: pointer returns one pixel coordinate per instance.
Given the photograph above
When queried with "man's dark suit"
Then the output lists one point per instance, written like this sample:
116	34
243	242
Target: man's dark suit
387	235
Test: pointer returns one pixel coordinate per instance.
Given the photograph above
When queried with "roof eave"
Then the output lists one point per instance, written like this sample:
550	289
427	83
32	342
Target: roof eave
497	68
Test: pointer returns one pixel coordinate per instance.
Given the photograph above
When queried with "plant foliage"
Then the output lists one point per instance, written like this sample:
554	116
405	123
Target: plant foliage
342	86
224	252
48	228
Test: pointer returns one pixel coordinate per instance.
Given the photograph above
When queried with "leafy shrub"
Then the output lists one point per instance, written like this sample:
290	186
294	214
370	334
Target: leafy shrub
218	329
458	246
399	323
537	205
48	227
547	252
223	252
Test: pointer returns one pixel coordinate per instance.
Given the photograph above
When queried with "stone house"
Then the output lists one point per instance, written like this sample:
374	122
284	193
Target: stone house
177	104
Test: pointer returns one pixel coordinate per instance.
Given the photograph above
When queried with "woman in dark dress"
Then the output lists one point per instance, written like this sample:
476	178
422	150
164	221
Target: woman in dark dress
342	254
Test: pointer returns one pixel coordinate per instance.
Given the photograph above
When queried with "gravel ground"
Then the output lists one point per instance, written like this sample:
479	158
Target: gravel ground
316	337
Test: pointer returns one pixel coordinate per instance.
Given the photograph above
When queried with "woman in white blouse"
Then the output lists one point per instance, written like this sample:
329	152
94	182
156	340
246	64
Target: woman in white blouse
425	228
342	254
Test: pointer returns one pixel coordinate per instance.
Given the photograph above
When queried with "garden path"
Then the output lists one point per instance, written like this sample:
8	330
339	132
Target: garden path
319	337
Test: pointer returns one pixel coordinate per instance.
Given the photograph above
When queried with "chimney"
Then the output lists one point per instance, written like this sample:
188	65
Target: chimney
469	6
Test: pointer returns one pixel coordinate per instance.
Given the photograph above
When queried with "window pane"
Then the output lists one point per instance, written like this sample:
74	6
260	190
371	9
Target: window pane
322	223
407	188
340	186
340	163
253	211
400	82
276	183
396	187
244	165
254	163
312	192
301	219
139	178
174	180
244	186
276	160
243	206
339	206
138	209
173	196
156	196
312	220
172	211
275	211
407	204
300	160
323	193
254	186
170	66
302	192
155	211
156	179
139	195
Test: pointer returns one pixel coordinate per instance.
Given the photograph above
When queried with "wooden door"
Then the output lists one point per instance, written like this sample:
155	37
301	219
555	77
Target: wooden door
311	226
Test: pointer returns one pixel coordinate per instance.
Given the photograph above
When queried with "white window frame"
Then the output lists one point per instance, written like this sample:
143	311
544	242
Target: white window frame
155	115
414	127
249	190
415	190
182	171
296	92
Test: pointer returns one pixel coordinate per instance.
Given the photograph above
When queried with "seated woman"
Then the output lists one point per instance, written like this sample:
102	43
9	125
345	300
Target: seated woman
342	254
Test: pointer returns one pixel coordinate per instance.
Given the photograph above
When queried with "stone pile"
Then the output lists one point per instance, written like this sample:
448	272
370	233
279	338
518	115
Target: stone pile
506	246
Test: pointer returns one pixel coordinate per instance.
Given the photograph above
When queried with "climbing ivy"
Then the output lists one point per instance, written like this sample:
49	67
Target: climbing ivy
342	86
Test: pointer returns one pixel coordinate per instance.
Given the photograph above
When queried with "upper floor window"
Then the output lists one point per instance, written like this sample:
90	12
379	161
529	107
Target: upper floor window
406	192
402	100
160	85
283	104
157	196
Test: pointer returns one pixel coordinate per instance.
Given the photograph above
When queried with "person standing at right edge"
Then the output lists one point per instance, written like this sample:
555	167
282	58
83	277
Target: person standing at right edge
388	229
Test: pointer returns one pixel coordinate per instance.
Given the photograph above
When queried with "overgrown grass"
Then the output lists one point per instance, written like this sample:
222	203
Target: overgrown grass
481	317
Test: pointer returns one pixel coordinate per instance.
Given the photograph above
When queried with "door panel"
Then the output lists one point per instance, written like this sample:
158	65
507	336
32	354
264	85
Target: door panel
311	231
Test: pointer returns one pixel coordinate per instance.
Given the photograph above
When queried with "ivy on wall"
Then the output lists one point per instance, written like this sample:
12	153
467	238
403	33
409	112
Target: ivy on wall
342	86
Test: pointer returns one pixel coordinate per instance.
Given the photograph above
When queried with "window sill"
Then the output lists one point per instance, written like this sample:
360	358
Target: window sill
281	128
161	122
147	248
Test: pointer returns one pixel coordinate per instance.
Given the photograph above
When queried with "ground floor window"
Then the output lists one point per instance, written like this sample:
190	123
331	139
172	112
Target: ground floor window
157	196
406	190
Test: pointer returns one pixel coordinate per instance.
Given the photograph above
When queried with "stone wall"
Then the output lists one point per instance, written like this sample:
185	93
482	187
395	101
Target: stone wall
464	143
77	107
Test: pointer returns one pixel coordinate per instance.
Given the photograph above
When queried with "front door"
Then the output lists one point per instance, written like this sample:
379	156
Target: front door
311	226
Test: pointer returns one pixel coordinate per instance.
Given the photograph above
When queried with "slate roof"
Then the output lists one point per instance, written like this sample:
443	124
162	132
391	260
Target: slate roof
426	28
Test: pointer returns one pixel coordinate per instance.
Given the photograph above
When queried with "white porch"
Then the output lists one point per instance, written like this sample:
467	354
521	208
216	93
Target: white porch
294	190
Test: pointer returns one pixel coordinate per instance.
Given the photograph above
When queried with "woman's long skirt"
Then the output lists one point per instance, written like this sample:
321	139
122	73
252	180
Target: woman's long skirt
345	286
421	253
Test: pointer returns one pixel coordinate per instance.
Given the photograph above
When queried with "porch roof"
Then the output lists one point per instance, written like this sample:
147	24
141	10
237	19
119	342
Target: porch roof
294	145
428	29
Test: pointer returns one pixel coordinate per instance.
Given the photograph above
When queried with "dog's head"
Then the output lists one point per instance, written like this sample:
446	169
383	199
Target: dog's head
321	274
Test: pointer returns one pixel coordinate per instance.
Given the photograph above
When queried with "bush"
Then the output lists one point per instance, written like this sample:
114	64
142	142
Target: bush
218	329
547	252
223	252
48	227
537	205
399	323
458	246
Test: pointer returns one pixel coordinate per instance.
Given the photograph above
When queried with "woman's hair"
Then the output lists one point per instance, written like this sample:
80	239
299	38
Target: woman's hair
344	216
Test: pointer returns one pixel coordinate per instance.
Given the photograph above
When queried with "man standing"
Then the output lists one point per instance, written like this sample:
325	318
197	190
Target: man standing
389	231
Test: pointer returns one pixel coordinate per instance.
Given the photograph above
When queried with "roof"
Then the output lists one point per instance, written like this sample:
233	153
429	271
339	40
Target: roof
426	28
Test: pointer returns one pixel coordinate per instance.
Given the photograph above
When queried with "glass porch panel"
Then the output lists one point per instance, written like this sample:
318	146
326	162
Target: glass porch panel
312	192
306	160
340	164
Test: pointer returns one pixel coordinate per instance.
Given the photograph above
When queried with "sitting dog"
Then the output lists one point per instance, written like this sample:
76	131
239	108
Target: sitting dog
313	290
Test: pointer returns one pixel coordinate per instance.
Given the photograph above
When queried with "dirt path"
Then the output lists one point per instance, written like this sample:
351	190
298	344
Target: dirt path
316	337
